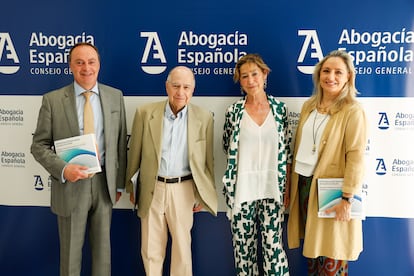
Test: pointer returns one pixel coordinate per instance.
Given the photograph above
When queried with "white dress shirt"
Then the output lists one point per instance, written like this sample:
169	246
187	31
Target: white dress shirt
174	154
97	115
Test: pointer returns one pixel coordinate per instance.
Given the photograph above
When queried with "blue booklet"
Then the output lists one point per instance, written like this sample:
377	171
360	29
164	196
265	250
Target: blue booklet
79	150
330	194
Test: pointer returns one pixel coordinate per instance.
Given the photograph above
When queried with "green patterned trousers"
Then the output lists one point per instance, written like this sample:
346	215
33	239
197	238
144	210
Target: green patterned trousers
264	216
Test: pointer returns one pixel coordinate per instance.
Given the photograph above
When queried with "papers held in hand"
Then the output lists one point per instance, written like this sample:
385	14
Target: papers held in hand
79	150
330	194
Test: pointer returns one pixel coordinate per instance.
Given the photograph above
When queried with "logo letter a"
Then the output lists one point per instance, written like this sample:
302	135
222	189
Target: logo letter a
312	44
7	44
153	45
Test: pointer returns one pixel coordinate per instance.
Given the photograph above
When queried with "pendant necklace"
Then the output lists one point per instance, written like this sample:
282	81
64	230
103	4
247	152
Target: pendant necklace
315	133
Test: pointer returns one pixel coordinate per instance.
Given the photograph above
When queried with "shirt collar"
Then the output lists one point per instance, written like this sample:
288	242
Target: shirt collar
170	114
79	89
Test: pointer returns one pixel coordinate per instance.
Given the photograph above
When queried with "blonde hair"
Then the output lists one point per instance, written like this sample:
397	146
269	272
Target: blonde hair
349	91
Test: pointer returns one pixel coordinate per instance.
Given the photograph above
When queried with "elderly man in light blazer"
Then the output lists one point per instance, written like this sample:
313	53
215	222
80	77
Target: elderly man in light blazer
78	199
171	146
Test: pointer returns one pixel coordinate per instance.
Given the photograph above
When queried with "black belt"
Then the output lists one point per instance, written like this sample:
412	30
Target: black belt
174	179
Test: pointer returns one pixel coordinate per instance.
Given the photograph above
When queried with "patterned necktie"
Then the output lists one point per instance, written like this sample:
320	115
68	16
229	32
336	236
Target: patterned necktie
88	120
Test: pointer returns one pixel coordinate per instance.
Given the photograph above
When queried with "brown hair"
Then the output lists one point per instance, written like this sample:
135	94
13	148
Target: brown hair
250	58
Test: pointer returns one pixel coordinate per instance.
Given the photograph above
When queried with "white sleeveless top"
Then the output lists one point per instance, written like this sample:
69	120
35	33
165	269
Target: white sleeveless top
313	128
257	161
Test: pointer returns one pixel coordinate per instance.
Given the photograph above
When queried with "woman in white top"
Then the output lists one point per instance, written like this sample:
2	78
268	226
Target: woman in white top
256	140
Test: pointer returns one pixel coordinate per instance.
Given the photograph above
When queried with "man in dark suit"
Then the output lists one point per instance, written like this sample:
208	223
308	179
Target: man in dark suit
172	146
80	200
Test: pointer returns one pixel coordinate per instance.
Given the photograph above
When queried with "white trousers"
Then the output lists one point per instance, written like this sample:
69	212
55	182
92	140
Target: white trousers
171	210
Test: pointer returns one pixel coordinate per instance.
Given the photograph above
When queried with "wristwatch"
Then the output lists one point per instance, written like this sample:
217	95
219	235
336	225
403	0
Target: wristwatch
349	199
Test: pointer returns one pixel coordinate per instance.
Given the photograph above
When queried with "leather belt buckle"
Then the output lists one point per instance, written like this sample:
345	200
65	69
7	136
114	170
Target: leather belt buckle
174	179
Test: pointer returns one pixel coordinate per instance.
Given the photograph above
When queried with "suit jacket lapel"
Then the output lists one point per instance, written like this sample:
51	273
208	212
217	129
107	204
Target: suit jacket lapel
156	124
106	112
192	129
69	104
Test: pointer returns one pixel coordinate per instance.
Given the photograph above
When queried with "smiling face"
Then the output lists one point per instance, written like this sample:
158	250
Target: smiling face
180	87
85	65
333	76
252	78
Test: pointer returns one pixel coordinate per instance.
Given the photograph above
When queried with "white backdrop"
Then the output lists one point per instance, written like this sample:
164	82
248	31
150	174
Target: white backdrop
389	154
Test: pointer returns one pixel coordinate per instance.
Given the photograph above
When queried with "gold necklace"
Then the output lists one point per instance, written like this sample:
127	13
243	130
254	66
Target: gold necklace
315	133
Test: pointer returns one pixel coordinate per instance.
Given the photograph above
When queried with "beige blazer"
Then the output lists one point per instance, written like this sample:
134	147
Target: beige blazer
342	151
145	153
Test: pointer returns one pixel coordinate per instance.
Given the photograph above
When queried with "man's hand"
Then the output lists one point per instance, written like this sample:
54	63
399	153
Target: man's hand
74	172
132	198
197	207
118	196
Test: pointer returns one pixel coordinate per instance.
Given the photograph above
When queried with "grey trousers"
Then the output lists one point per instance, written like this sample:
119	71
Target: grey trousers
93	211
